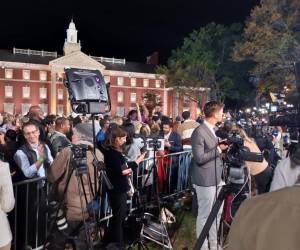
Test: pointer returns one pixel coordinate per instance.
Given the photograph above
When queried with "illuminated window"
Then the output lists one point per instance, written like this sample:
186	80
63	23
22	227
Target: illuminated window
120	96
26	74
25	108
26	92
8	91
133	97
120	111
146	83
43	93
8	73
44	108
9	108
157	83
120	81
43	76
133	82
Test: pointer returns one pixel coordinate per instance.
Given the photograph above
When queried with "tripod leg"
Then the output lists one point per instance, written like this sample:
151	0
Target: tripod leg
211	217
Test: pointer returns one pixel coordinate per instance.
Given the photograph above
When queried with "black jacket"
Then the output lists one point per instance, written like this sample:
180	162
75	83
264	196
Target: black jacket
115	162
58	142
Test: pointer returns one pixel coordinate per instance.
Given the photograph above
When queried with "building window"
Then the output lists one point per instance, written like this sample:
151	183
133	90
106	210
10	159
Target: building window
60	94
146	83
120	81
157	83
107	79
120	111
133	82
8	91
44	108
26	74
9	108
26	92
8	73
43	76
133	97
43	93
60	109
120	96
25	108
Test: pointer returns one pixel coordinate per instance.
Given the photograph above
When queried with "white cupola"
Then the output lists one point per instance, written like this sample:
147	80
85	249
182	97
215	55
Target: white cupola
71	44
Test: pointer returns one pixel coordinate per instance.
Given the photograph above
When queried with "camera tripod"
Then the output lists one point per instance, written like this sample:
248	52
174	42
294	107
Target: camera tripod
79	168
224	192
150	230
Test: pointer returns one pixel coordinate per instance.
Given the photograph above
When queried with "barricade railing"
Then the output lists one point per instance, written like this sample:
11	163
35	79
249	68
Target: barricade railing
29	219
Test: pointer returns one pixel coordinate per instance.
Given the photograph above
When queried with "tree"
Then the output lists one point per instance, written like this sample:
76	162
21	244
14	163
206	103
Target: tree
271	41
204	60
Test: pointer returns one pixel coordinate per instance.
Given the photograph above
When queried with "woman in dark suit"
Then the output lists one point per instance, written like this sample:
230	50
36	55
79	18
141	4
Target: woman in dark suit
118	171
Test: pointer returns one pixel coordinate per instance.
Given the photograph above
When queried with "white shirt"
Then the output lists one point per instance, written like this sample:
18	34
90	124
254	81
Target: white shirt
166	137
31	171
211	127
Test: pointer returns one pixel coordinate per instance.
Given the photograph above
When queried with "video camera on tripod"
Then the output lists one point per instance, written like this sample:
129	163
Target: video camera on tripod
236	156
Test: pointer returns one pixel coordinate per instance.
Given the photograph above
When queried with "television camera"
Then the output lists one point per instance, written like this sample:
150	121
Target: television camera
236	156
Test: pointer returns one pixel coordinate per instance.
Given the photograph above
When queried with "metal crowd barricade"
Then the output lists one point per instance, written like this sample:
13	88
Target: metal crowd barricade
172	172
29	218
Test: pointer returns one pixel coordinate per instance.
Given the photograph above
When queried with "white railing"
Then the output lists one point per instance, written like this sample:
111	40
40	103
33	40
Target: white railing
109	60
34	52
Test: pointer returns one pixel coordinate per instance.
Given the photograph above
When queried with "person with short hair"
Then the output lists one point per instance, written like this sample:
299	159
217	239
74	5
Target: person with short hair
32	158
186	129
206	169
58	139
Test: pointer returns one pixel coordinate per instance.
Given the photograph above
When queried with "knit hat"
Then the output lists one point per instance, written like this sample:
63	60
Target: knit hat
85	131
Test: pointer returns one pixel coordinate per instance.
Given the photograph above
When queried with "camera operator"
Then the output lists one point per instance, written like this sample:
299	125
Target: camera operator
58	174
118	171
206	169
287	171
261	171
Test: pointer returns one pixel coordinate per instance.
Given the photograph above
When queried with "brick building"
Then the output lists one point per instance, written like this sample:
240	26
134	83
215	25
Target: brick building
31	77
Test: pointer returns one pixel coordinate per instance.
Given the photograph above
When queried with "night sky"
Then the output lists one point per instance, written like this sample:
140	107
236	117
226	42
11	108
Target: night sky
130	29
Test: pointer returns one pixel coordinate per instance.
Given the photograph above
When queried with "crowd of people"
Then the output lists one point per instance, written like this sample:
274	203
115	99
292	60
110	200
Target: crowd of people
34	146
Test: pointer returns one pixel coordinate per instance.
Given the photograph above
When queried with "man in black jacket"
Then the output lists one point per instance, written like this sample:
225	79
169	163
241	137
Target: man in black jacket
58	139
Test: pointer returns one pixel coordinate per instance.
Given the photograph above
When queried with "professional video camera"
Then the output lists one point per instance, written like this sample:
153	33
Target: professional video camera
79	160
236	156
88	92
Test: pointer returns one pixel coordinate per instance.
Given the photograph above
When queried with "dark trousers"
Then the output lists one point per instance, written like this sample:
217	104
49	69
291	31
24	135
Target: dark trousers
263	180
75	233
116	223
